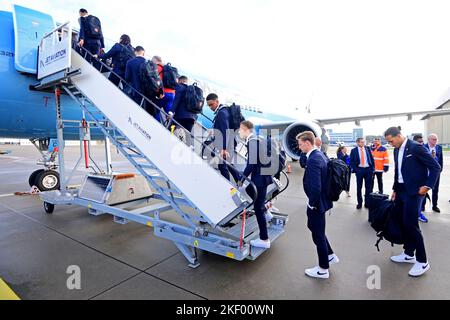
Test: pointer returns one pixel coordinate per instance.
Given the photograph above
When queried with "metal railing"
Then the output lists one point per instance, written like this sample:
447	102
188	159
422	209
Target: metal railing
163	115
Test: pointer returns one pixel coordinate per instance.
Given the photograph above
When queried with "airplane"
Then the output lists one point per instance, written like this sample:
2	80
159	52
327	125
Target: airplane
26	113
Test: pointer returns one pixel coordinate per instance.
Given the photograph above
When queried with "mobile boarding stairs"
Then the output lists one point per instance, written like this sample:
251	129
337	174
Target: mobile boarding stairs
215	214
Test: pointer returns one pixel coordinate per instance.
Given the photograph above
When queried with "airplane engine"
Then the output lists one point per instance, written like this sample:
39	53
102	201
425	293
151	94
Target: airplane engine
289	140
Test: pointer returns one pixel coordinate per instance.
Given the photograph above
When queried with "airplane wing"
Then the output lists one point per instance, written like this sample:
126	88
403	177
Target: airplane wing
357	120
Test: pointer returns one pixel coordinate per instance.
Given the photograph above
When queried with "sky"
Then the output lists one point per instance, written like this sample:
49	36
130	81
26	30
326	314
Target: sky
342	58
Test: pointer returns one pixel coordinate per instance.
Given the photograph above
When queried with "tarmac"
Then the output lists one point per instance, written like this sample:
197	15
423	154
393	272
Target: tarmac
130	262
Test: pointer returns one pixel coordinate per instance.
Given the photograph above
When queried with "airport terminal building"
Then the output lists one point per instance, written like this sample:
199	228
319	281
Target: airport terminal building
440	125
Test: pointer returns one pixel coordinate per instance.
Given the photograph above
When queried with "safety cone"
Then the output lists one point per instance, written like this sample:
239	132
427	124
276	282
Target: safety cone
289	168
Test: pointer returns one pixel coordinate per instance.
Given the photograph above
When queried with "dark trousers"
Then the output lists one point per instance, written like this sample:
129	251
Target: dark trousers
92	46
188	124
364	176
260	209
379	177
316	224
146	105
116	80
414	243
435	196
165	104
226	170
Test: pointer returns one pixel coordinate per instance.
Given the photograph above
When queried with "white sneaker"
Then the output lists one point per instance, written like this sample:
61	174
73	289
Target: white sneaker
333	259
403	258
275	209
258	243
317	273
269	216
419	269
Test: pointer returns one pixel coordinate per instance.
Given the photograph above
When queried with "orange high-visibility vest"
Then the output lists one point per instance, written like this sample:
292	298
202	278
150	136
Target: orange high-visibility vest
381	158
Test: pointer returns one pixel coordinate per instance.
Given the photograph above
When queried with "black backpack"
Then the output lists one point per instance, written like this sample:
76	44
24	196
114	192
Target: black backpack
170	76
236	116
194	99
125	55
387	222
374	201
338	178
93	27
150	81
276	153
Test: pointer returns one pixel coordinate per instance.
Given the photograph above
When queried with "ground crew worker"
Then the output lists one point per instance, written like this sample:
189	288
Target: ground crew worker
381	160
256	147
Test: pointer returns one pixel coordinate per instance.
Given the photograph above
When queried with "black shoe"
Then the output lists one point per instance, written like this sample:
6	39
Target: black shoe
436	209
359	207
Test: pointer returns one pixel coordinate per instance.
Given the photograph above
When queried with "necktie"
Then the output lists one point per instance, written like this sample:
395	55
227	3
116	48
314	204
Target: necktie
363	158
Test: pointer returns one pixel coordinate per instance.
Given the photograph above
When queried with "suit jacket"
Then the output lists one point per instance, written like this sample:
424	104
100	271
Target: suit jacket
179	107
132	72
419	168
439	155
222	125
114	54
355	159
83	36
315	182
255	164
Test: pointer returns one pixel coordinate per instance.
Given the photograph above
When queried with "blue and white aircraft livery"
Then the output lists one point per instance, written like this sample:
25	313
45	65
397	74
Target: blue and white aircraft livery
29	114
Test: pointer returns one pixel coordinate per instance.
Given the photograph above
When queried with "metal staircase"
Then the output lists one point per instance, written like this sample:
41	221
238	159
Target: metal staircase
209	205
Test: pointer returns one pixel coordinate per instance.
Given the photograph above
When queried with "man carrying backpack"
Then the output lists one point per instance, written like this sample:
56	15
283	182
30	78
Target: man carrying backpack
315	185
91	34
181	113
224	135
261	179
169	76
133	78
416	173
120	54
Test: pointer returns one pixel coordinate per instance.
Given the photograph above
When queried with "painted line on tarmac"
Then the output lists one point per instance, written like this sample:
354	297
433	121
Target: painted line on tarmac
6	293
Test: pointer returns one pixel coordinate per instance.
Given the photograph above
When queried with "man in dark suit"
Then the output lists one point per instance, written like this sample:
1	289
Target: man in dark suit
438	154
416	173
363	165
182	115
94	45
254	170
315	184
223	135
133	78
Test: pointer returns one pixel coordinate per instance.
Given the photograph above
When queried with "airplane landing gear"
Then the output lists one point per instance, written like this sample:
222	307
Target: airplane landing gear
49	208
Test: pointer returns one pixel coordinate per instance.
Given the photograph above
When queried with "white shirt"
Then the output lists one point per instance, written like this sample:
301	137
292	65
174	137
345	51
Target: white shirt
366	158
401	154
309	153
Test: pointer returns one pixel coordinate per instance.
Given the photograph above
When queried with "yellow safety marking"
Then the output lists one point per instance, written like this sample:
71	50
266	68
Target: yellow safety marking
172	129
233	191
196	243
6	293
230	255
89	206
150	224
